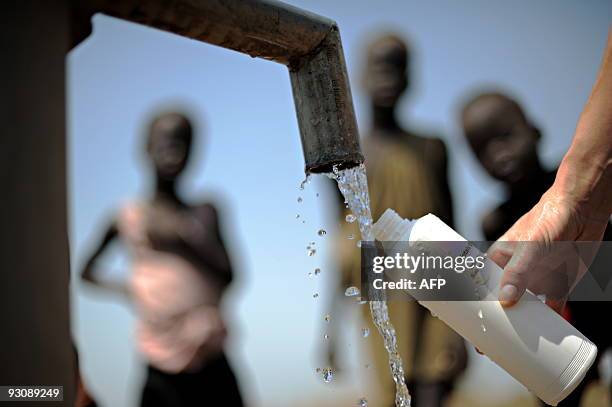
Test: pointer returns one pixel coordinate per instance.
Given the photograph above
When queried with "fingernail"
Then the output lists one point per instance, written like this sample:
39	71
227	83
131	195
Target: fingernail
508	294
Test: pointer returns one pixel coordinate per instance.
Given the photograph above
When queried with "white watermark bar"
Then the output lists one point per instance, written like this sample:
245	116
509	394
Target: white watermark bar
31	393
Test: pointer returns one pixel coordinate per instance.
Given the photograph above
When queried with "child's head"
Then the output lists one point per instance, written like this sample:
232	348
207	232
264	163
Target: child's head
501	137
386	76
169	144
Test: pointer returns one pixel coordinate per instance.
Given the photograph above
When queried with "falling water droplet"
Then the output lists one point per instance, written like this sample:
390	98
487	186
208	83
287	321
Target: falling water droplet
299	199
303	183
365	332
311	252
367	365
317	272
310	274
315	295
350	218
351	291
484	328
322	232
480	314
358	244
350	237
328	375
297	216
326	336
327	317
318	370
317	194
362	402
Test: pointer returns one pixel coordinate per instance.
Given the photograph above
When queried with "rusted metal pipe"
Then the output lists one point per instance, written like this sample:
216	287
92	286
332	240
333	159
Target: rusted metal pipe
308	44
324	107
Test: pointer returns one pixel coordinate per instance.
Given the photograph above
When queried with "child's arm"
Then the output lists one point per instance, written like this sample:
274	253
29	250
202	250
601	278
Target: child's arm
88	273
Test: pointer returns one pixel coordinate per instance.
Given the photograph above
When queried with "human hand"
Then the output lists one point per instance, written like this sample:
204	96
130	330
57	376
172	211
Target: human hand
537	250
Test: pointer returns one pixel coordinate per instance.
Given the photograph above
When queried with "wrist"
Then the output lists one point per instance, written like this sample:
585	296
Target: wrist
585	182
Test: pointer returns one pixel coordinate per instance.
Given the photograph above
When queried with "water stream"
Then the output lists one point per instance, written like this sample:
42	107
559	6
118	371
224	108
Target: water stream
353	185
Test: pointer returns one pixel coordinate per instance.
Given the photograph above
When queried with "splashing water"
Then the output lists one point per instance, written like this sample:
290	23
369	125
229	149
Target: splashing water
352	292
380	315
328	375
306	181
353	185
481	316
362	402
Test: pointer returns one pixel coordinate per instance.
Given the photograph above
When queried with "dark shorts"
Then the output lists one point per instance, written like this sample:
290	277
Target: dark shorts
213	385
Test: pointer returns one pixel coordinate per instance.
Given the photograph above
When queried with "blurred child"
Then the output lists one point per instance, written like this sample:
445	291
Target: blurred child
180	271
407	171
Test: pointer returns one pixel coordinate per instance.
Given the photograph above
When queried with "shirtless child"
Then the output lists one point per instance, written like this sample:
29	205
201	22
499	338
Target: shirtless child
180	269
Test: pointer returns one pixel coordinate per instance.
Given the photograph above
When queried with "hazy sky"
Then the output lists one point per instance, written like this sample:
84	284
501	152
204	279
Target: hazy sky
249	161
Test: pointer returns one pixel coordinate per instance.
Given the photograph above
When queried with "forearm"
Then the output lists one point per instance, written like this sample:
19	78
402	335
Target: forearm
585	174
90	276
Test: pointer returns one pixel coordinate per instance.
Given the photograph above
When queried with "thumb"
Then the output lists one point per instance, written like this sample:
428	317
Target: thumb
515	279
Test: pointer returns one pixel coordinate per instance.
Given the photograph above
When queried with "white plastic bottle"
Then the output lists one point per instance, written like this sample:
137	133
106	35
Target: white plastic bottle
529	340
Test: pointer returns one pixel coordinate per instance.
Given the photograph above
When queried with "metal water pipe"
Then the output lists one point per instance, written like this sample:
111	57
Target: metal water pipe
308	44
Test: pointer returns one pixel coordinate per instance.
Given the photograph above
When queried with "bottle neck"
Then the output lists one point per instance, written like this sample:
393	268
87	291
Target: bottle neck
392	227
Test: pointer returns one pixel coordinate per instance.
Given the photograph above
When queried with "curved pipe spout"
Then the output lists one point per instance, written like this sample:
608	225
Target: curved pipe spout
308	44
